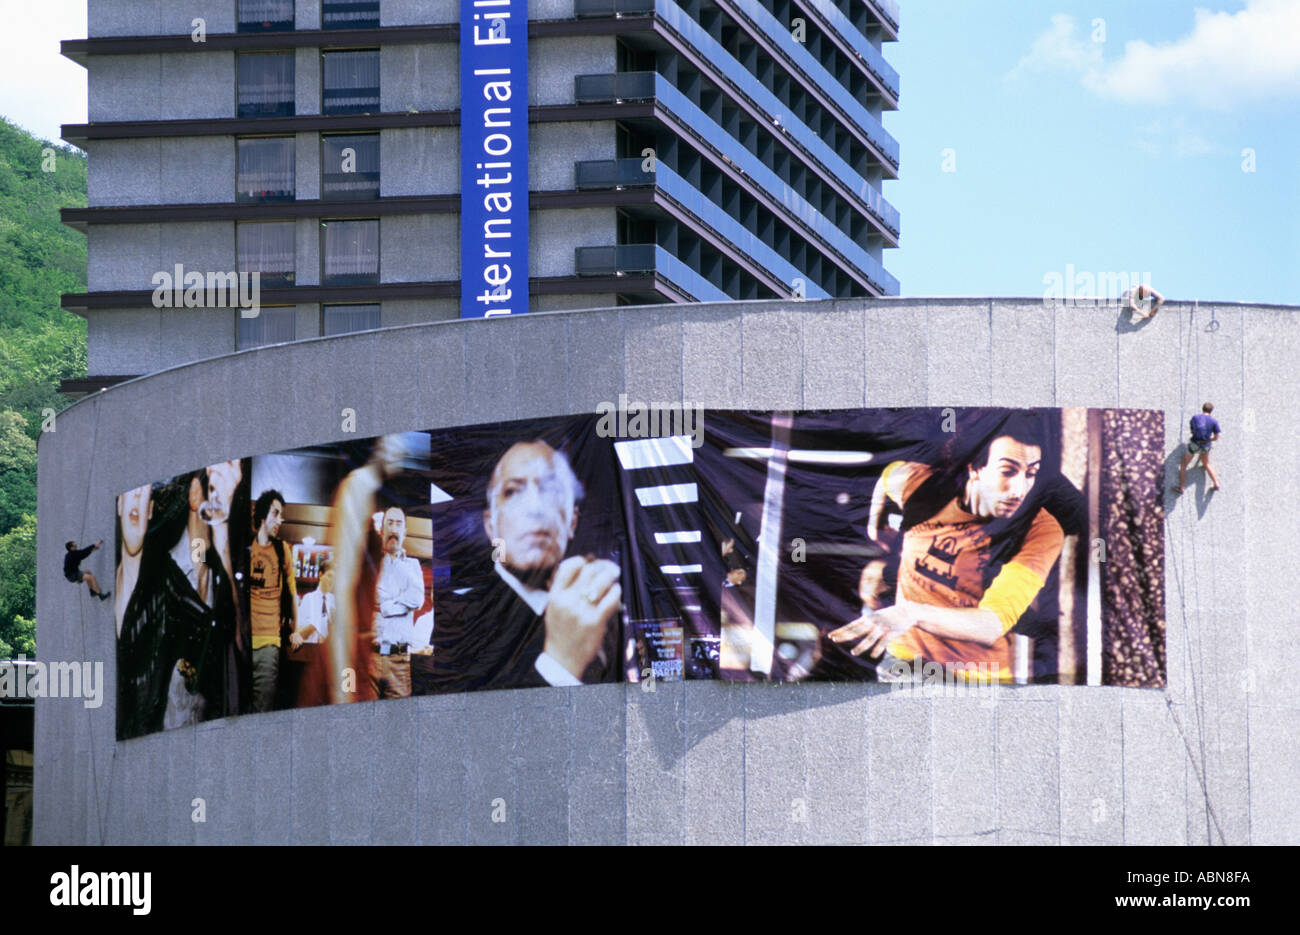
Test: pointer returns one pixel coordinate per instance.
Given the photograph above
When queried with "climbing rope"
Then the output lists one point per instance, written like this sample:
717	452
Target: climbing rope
1189	349
100	817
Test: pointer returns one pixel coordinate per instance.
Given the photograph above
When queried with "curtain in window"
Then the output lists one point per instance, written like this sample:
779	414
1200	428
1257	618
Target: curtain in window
266	85
351	82
363	181
271	326
349	14
266	169
268	249
344	319
265	14
351	252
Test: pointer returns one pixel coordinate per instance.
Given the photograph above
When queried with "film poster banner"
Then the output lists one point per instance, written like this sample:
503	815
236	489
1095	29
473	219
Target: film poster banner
987	545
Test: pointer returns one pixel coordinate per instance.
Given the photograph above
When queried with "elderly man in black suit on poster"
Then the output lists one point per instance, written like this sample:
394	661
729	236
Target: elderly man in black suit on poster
537	618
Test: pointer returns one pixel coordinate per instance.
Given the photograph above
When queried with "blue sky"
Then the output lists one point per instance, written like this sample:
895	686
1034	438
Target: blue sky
1123	155
1101	155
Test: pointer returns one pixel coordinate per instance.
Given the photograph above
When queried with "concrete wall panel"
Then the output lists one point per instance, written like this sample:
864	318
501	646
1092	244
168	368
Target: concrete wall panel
556	234
554	148
176	17
112	18
419	247
834	363
959	371
306	166
419	161
197	86
418	12
419	77
196	169
306	81
1021	342
306	14
124	172
553	62
1208	761
124	87
123	341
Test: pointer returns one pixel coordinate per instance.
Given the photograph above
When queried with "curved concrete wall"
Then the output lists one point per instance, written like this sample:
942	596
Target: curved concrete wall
1212	759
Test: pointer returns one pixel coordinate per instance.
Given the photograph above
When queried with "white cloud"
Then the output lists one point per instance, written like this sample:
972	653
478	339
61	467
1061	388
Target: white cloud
1226	59
39	88
1058	47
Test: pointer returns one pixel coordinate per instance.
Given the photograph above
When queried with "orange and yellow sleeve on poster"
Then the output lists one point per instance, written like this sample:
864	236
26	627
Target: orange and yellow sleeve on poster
1011	593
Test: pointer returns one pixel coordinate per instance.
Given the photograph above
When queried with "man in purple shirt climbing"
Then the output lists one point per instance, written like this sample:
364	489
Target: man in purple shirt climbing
1205	431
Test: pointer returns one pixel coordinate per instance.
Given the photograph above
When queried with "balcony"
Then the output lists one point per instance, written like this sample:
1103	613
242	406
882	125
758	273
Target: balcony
691	32
777	273
612	173
620	86
591	8
871	58
628	173
649	86
649	260
694	34
637	86
887	10
799	59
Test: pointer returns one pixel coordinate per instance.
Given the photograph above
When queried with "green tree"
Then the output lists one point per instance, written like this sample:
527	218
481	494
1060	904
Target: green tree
18	587
17	470
40	345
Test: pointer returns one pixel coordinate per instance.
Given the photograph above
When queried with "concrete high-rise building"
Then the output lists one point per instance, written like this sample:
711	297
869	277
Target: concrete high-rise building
701	151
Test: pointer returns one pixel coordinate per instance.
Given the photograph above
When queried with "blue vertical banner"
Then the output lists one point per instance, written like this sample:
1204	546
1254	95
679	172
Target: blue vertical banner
493	157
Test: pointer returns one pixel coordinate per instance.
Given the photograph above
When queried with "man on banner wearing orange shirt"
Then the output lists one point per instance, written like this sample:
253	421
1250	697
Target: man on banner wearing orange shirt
948	609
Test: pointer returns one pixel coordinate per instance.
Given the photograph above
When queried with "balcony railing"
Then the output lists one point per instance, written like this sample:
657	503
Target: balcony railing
585	8
727	145
629	173
651	86
816	74
627	259
872	58
606	173
613	173
711	51
694	34
889	9
620	86
647	86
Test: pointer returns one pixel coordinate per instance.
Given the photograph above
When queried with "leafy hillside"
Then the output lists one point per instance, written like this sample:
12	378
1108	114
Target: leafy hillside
40	345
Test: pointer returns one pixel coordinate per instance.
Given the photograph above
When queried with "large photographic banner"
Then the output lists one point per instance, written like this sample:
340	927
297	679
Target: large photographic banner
973	546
